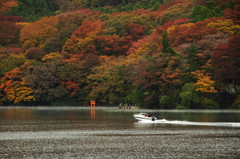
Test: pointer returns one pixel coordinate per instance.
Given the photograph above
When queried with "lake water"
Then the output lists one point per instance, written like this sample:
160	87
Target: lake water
109	132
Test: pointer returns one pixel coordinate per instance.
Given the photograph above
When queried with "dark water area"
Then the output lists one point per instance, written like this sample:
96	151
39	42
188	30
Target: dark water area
109	132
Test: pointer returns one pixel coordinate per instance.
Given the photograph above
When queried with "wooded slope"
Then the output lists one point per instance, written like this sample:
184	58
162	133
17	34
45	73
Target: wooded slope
182	54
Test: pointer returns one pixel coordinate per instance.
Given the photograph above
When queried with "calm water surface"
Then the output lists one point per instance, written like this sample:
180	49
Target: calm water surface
108	132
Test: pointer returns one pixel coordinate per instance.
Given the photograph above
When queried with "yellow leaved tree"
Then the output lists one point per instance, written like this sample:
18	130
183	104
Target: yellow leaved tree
52	56
225	26
204	83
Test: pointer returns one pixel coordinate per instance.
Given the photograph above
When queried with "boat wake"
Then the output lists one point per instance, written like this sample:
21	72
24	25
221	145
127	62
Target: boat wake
177	122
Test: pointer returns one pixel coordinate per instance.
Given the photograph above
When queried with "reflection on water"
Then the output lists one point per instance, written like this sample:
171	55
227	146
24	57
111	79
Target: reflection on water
93	113
113	133
17	112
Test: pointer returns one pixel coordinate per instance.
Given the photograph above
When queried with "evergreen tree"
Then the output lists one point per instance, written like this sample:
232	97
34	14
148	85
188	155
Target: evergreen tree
230	5
156	6
199	11
32	10
191	58
123	3
211	5
212	13
129	7
166	47
161	1
227	5
199	18
31	18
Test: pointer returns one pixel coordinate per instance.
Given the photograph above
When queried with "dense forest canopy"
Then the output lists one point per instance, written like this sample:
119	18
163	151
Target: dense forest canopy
168	54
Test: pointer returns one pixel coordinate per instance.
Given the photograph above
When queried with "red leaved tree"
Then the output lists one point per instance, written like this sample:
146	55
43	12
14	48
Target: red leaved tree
234	14
189	33
87	27
9	33
135	31
226	61
112	45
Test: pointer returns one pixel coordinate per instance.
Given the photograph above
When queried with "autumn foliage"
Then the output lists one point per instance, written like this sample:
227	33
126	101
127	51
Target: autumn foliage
226	61
35	34
15	89
155	54
6	5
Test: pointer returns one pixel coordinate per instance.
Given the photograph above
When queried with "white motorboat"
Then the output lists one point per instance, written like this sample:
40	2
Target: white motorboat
144	116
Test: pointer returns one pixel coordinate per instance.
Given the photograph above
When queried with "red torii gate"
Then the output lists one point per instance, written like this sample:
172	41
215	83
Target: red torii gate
92	104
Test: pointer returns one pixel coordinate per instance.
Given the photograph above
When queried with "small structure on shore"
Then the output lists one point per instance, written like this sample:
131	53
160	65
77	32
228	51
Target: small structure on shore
92	104
128	106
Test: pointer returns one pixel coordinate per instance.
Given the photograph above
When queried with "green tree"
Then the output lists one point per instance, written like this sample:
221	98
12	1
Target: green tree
192	63
230	5
189	97
199	11
167	102
135	97
156	6
122	6
213	13
211	5
192	57
166	46
32	10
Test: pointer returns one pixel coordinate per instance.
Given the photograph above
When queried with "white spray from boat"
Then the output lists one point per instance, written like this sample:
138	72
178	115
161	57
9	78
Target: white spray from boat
177	122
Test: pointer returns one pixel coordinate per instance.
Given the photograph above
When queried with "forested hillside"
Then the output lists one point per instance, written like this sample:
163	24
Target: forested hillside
168	54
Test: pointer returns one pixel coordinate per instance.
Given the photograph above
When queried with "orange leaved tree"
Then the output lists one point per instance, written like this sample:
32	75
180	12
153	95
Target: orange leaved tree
37	33
6	5
14	88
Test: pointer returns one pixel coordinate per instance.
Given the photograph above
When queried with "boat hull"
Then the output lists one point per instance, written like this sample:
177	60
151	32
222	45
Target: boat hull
140	118
143	117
